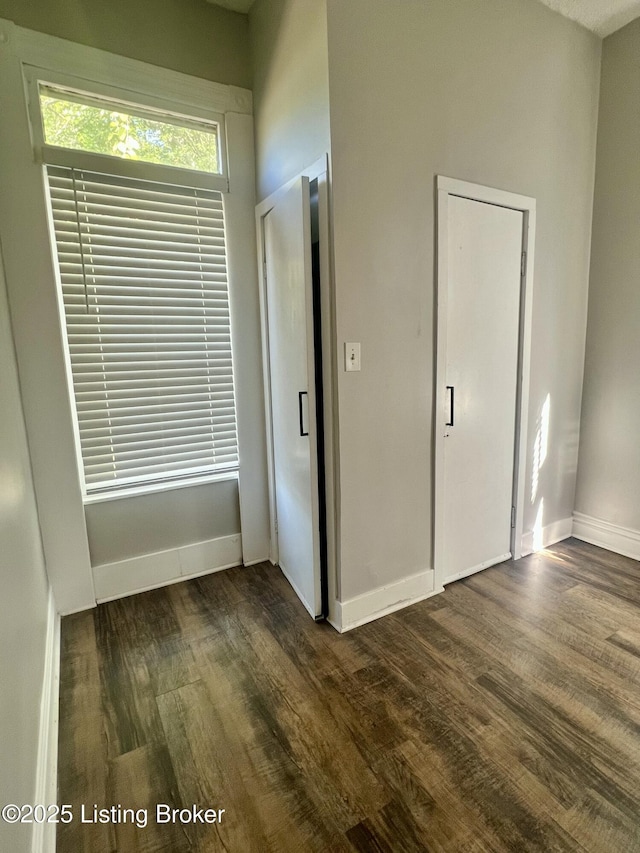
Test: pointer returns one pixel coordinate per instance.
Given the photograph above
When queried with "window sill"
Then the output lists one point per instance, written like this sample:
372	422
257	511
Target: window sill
153	488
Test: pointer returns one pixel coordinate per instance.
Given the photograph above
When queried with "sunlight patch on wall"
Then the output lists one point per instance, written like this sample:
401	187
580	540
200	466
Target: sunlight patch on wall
540	446
538	528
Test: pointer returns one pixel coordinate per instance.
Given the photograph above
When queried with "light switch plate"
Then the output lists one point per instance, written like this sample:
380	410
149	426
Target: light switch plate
352	356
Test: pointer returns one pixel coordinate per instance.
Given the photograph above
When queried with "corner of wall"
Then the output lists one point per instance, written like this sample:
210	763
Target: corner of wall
44	834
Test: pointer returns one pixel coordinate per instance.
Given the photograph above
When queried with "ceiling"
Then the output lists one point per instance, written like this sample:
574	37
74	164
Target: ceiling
601	16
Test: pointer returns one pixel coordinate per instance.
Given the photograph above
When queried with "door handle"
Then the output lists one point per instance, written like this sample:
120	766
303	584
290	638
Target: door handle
451	406
300	411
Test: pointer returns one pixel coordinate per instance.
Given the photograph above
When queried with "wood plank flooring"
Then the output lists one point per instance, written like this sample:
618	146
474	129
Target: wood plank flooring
502	715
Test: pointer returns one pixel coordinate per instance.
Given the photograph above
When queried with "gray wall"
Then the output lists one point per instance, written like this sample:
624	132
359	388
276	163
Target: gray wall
502	93
191	36
160	521
23	603
290	88
609	469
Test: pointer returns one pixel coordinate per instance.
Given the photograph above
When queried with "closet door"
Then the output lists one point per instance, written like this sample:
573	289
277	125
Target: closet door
481	367
289	308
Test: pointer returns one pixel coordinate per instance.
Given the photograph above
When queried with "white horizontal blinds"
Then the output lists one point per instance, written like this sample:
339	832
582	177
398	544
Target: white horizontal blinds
144	282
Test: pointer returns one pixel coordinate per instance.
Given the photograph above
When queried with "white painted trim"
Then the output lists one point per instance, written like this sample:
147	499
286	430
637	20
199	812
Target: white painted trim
447	187
383	600
266	382
613	537
150	571
56	54
524	378
490	195
480	567
136	169
549	535
44	834
235	565
244	310
256	562
313	172
159	486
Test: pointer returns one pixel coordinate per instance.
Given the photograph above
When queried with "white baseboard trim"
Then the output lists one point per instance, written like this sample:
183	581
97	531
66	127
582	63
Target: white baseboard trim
534	540
247	563
613	537
382	601
44	834
150	571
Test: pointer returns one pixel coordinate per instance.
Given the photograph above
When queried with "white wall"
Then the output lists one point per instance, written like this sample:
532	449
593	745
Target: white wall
23	603
290	88
609	469
502	93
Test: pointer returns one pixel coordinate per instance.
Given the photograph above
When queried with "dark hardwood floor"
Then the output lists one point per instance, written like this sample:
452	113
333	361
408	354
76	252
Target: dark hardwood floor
502	715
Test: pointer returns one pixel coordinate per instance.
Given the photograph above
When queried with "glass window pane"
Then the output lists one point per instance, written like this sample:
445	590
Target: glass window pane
103	129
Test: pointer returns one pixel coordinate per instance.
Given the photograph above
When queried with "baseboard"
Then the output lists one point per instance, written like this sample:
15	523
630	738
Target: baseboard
46	793
266	559
535	540
150	571
382	601
613	537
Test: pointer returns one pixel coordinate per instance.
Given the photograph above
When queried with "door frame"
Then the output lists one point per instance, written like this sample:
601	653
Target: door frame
446	188
317	171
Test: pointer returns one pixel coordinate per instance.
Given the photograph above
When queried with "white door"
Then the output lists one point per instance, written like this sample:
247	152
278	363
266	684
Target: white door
481	366
289	309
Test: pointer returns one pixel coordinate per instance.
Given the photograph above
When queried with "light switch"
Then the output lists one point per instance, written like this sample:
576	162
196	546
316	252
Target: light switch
352	356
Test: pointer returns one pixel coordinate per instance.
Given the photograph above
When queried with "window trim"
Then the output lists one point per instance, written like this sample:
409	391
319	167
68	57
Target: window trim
53	155
32	294
160	486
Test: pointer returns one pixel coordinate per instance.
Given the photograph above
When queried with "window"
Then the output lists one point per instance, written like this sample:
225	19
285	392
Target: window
83	123
143	273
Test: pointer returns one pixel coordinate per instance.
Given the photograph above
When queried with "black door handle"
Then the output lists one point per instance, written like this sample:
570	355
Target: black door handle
300	413
451	406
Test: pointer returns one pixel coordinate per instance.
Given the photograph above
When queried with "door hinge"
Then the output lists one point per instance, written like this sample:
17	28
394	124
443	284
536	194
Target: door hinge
523	264
275	524
264	270
513	516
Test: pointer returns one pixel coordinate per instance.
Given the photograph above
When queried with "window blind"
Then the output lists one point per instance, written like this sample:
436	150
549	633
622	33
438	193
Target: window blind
144	285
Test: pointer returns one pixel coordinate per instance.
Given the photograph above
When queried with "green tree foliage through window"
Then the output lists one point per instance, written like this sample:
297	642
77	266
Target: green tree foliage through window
102	130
